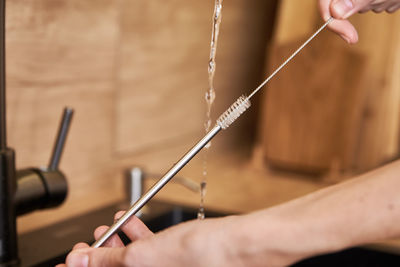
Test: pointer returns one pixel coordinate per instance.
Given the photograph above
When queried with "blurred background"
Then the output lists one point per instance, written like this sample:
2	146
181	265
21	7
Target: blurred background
136	74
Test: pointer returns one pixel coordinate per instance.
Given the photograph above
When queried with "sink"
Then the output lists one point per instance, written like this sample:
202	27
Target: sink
62	236
355	257
175	215
170	215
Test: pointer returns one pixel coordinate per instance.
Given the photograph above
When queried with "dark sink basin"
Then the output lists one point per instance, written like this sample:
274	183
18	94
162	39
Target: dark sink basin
49	246
355	257
174	216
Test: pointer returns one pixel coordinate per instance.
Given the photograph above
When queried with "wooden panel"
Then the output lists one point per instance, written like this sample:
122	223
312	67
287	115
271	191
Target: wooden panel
63	53
163	66
313	107
235	186
135	72
159	75
379	135
376	138
295	20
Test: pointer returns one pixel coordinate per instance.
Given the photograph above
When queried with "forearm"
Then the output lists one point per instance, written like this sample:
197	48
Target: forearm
359	211
362	210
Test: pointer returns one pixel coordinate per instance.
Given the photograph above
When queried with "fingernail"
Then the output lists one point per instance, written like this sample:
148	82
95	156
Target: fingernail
76	259
342	7
118	215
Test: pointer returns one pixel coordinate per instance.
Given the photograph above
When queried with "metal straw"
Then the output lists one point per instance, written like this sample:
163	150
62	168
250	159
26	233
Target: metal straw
157	187
189	155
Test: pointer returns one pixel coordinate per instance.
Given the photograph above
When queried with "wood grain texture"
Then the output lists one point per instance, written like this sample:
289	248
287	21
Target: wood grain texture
379	134
161	73
295	19
135	72
313	107
375	134
62	53
236	185
162	70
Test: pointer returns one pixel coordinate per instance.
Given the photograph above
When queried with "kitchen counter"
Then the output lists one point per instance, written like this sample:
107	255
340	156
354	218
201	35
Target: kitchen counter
236	184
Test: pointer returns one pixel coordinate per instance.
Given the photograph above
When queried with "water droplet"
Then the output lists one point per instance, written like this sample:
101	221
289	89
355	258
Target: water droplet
203	188
210	96
207	146
207	125
211	67
200	215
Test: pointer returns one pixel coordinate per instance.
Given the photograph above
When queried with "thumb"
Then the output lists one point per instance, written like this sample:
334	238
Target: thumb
342	9
89	257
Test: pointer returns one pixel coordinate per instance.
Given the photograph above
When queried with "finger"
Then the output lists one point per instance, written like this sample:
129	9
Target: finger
80	246
345	29
364	10
342	27
113	241
342	9
324	9
134	228
99	257
77	246
393	8
378	8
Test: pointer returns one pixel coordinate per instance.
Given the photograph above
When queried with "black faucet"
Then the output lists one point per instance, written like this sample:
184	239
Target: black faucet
41	188
29	189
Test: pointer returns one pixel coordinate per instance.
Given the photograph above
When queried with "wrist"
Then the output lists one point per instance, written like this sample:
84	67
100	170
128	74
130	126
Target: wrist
263	238
281	236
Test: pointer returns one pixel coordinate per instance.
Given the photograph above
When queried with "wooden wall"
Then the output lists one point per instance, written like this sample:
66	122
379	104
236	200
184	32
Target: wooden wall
135	72
335	106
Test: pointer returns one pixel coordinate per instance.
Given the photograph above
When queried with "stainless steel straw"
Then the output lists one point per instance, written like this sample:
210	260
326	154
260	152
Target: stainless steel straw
223	122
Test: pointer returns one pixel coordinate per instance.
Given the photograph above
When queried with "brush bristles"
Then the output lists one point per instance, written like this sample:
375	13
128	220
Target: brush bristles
233	112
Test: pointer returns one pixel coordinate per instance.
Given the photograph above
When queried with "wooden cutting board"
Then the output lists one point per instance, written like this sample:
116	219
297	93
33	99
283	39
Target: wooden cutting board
312	108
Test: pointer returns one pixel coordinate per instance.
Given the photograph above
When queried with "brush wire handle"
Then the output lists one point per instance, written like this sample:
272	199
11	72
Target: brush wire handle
291	57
